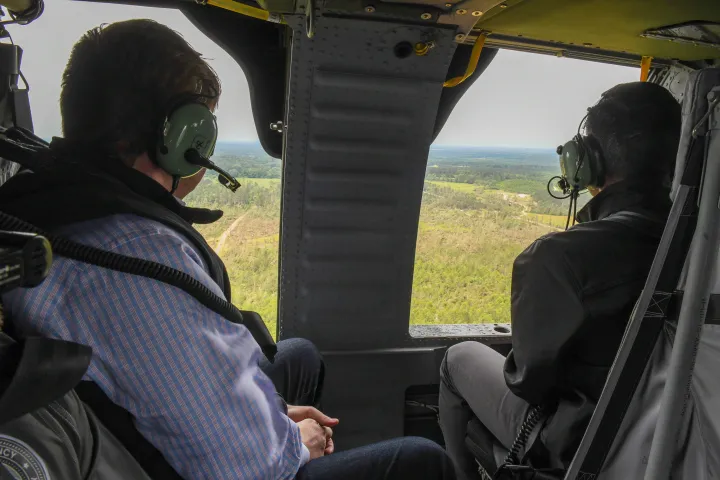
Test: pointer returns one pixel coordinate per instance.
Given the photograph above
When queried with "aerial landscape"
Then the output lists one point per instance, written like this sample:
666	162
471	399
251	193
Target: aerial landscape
481	207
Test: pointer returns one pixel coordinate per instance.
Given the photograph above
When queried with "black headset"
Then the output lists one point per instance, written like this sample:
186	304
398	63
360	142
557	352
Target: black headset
186	140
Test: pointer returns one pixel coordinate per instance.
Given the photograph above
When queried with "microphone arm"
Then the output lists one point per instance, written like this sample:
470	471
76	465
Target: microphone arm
226	180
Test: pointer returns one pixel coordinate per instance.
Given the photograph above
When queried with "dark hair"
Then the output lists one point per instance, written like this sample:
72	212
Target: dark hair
638	127
121	80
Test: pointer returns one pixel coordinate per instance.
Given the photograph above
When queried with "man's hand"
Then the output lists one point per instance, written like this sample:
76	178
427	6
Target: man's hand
329	443
299	414
314	436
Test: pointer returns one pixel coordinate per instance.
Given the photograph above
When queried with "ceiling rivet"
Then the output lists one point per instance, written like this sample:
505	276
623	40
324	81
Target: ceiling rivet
370	9
426	16
461	11
476	13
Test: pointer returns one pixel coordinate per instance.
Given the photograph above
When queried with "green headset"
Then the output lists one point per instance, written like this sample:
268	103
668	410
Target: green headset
582	164
186	141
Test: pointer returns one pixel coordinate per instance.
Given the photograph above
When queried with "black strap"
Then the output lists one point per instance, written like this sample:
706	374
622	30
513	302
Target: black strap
122	425
712	315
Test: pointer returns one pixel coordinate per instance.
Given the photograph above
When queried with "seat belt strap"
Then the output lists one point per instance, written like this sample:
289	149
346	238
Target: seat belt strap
712	316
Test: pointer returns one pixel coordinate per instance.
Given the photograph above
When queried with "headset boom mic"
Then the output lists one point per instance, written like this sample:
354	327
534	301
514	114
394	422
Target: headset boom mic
226	180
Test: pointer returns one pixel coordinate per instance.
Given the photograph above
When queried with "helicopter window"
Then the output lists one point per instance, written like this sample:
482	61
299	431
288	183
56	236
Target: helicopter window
483	204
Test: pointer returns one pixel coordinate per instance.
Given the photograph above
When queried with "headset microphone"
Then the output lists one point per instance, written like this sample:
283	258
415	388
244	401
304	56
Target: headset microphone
186	140
226	180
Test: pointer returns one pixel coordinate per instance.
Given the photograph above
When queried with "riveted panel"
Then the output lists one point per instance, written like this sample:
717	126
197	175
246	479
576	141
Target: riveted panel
361	112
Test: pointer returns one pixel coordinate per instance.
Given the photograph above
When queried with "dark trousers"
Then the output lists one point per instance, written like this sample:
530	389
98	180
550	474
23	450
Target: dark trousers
298	374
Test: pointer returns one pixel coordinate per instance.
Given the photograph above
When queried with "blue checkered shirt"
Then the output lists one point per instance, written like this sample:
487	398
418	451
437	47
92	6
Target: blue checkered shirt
188	376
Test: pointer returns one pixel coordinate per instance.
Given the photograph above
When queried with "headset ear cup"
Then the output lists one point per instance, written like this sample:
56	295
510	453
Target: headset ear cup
189	126
570	155
595	160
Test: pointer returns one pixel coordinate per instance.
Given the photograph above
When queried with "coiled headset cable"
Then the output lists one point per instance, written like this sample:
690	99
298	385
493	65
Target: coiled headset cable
534	416
153	270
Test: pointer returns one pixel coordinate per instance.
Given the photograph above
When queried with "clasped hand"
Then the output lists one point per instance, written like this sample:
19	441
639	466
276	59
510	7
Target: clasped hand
315	429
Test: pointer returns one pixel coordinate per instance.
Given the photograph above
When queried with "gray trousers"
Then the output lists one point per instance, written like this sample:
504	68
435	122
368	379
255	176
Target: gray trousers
472	383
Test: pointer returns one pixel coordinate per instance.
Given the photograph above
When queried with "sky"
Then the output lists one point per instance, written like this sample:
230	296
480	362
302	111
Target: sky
522	99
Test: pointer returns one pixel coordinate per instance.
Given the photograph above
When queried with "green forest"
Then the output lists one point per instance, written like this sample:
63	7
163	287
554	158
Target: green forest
480	209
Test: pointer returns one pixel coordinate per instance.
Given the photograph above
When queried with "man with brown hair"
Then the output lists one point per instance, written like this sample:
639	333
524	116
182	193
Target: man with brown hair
194	385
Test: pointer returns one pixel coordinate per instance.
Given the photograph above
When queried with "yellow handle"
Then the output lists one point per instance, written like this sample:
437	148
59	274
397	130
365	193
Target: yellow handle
645	68
247	10
472	64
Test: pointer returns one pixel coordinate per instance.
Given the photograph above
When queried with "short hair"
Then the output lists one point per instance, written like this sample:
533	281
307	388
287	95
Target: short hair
121	80
637	125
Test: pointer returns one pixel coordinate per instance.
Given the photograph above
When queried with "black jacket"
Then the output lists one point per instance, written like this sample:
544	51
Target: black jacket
572	295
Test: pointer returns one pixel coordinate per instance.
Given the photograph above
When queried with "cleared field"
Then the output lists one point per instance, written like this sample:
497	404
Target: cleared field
557	221
458	187
463	265
263	182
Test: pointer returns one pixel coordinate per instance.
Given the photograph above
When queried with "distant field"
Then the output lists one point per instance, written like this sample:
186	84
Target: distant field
265	182
463	265
558	221
467	241
459	187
